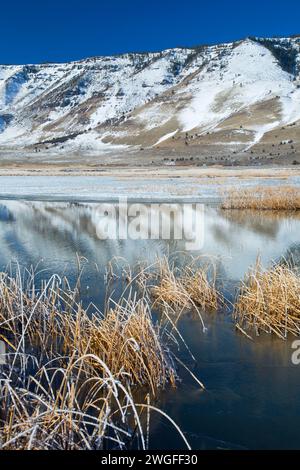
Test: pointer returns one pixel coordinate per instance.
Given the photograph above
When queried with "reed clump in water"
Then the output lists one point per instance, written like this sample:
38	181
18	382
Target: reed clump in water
191	287
269	301
56	407
202	291
169	288
127	340
262	198
69	375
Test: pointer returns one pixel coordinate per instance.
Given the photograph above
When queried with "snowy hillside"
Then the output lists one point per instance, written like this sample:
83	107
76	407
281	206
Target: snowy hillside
233	93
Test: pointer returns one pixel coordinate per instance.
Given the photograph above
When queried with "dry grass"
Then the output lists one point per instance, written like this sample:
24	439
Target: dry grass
189	287
269	301
202	291
69	375
56	408
169	288
125	339
262	198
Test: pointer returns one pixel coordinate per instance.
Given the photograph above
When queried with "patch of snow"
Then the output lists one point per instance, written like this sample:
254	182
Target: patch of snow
291	107
90	141
260	131
165	137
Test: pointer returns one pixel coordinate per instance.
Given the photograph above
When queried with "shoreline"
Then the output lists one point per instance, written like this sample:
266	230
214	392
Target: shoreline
123	171
212	202
157	185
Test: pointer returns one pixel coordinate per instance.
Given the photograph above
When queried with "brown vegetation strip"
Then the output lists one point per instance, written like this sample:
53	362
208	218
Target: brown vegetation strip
262	198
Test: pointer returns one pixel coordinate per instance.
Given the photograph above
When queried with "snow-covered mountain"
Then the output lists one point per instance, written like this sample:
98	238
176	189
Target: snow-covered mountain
234	94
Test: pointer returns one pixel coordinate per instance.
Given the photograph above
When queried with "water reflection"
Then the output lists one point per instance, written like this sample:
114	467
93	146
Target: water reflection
55	232
264	222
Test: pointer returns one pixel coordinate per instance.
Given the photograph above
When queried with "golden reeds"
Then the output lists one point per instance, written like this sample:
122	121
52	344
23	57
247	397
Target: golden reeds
56	409
126	340
202	291
191	288
262	198
169	288
69	374
269	301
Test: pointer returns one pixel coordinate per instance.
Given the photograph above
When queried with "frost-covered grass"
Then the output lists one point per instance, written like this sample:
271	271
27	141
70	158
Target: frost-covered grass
188	287
72	374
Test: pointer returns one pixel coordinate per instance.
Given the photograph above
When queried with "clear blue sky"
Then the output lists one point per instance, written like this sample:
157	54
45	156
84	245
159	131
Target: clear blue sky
38	31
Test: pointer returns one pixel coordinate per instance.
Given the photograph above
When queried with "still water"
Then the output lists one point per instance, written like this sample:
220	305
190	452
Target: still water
252	396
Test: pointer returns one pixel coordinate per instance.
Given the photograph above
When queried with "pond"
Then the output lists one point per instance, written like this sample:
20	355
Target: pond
252	396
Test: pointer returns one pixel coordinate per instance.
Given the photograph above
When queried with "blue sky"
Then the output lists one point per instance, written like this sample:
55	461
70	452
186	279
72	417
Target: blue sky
38	31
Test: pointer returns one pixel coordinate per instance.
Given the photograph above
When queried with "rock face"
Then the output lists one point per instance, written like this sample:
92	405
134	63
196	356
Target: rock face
237	95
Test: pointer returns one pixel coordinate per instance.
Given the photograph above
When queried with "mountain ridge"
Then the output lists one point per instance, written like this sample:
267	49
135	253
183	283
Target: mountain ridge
233	94
156	51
